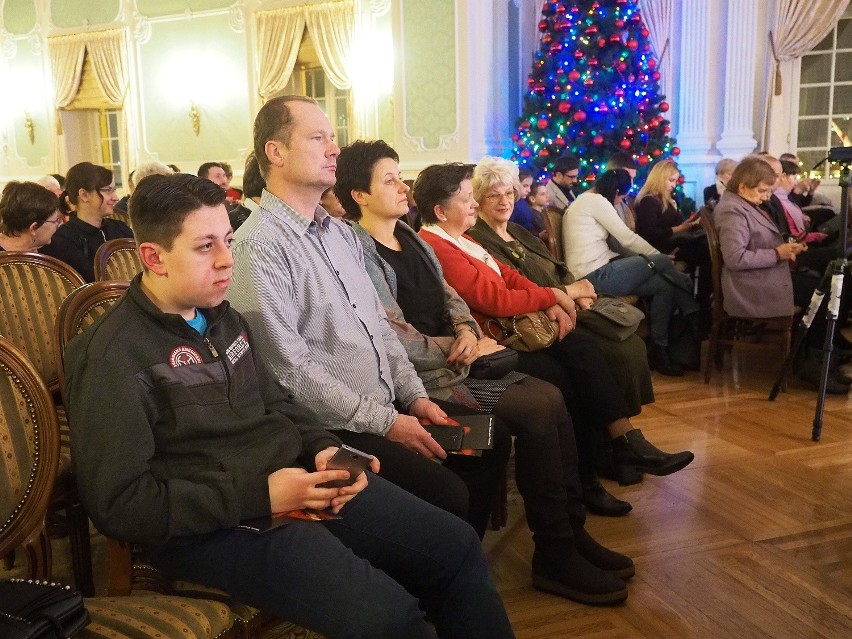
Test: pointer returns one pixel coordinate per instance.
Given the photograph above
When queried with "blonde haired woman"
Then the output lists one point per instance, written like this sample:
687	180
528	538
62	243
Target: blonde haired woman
659	222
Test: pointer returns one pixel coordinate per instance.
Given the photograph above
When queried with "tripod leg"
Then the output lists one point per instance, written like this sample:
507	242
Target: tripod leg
831	314
801	332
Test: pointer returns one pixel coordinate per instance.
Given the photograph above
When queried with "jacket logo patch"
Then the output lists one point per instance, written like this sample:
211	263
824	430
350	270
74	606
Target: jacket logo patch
184	356
238	348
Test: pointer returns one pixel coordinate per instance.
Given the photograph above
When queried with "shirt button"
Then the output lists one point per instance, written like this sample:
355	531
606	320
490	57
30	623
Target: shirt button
354	306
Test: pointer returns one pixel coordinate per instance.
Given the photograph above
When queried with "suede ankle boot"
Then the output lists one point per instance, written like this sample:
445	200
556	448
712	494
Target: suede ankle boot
558	568
619	565
633	449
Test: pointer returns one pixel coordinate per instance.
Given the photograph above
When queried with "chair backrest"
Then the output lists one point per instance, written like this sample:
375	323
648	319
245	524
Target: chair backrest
122	216
32	287
117	260
553	221
715	261
78	312
30	436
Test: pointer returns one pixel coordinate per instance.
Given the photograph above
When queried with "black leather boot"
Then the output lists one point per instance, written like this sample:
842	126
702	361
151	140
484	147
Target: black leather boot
560	569
613	562
598	501
633	449
658	360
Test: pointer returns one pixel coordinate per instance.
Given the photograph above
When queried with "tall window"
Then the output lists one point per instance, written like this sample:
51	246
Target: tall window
825	99
333	101
111	143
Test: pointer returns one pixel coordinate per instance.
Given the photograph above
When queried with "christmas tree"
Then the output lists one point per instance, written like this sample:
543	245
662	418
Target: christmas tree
594	90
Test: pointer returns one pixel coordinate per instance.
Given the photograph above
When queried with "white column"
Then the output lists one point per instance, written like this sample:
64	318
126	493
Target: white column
694	73
738	137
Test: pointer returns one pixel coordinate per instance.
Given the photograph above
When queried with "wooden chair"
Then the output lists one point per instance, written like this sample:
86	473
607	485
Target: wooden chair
32	287
127	572
553	223
728	331
29	463
117	260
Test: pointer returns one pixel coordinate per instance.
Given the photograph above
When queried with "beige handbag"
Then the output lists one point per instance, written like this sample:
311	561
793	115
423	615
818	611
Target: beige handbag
525	332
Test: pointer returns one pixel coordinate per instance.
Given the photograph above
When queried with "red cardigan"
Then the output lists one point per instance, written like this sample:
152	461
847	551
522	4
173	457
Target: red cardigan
486	293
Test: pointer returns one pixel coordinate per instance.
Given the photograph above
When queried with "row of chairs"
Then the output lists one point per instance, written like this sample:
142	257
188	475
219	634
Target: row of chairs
44	304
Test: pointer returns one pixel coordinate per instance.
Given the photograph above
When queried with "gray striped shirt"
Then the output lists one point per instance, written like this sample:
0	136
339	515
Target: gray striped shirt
314	313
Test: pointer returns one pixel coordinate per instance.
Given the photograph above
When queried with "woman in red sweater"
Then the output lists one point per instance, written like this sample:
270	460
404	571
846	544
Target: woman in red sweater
574	364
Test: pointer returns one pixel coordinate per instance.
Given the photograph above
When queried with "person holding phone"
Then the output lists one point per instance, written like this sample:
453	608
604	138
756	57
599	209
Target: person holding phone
180	432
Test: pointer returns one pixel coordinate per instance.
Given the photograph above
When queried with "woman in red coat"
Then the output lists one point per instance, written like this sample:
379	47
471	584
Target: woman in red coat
574	363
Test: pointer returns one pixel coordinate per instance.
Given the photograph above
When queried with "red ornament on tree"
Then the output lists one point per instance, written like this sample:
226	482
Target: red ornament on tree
601	43
652	63
525	153
542	123
573	75
598	141
560	9
675	151
619	24
564	106
593	62
621	66
642	160
632	44
657	152
547	38
655	76
560	142
542	26
619	92
666	129
539	88
592	30
644	32
624	144
588	82
614	37
664	106
555	48
579	116
578	54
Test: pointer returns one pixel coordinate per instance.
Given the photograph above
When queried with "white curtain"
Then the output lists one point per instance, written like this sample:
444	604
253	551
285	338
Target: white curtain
279	36
331	26
108	53
66	60
799	27
657	16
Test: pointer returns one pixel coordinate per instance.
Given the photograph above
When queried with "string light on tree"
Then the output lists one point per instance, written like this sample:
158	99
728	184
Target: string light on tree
593	90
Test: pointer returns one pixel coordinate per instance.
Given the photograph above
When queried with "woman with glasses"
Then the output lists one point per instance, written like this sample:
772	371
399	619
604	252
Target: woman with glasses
91	189
29	216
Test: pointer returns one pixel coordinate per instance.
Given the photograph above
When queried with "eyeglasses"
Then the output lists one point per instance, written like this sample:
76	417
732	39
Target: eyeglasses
58	221
500	196
109	190
572	176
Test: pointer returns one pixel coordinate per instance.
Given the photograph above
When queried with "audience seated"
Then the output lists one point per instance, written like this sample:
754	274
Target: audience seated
443	340
659	222
151	168
214	172
253	185
624	208
121	205
330	203
91	189
182	473
513	245
318	319
524	213
587	226
234	195
724	169
574	363
29	216
51	184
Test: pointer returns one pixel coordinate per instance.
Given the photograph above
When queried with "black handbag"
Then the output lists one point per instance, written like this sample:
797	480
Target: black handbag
684	343
40	610
494	365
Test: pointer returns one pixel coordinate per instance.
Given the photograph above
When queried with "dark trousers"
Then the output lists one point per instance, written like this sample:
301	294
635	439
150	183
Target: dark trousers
545	458
578	368
365	575
465	486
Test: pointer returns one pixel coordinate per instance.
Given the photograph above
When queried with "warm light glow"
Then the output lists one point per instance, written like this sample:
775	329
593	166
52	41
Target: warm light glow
371	63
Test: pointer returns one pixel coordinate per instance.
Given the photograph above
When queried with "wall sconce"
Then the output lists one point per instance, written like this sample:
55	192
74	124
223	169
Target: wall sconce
195	117
29	126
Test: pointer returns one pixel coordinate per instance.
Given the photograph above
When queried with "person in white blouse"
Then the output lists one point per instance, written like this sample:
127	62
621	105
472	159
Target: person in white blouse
588	224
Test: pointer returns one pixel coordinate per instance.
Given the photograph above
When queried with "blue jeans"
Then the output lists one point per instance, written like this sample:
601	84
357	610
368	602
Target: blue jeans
366	575
633	276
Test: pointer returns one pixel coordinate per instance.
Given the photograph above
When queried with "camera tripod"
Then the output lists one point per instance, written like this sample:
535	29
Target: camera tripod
830	289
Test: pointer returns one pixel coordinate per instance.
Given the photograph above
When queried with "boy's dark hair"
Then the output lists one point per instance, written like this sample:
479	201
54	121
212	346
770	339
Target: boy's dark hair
229	172
523	174
59	178
355	166
274	122
621	160
566	163
253	182
86	176
160	204
205	168
25	203
613	182
436	184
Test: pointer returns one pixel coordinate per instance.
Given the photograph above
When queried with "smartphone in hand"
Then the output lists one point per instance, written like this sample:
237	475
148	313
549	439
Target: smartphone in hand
347	458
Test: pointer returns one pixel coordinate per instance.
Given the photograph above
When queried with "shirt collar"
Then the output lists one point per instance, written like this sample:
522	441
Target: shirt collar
298	223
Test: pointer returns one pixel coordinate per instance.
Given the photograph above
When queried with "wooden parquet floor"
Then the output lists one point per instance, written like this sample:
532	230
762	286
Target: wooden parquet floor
753	539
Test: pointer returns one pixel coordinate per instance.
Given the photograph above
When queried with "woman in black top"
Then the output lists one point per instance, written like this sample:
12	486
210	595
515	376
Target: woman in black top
91	189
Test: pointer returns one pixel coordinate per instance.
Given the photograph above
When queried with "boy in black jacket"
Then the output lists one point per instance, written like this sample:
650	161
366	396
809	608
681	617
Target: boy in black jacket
179	433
